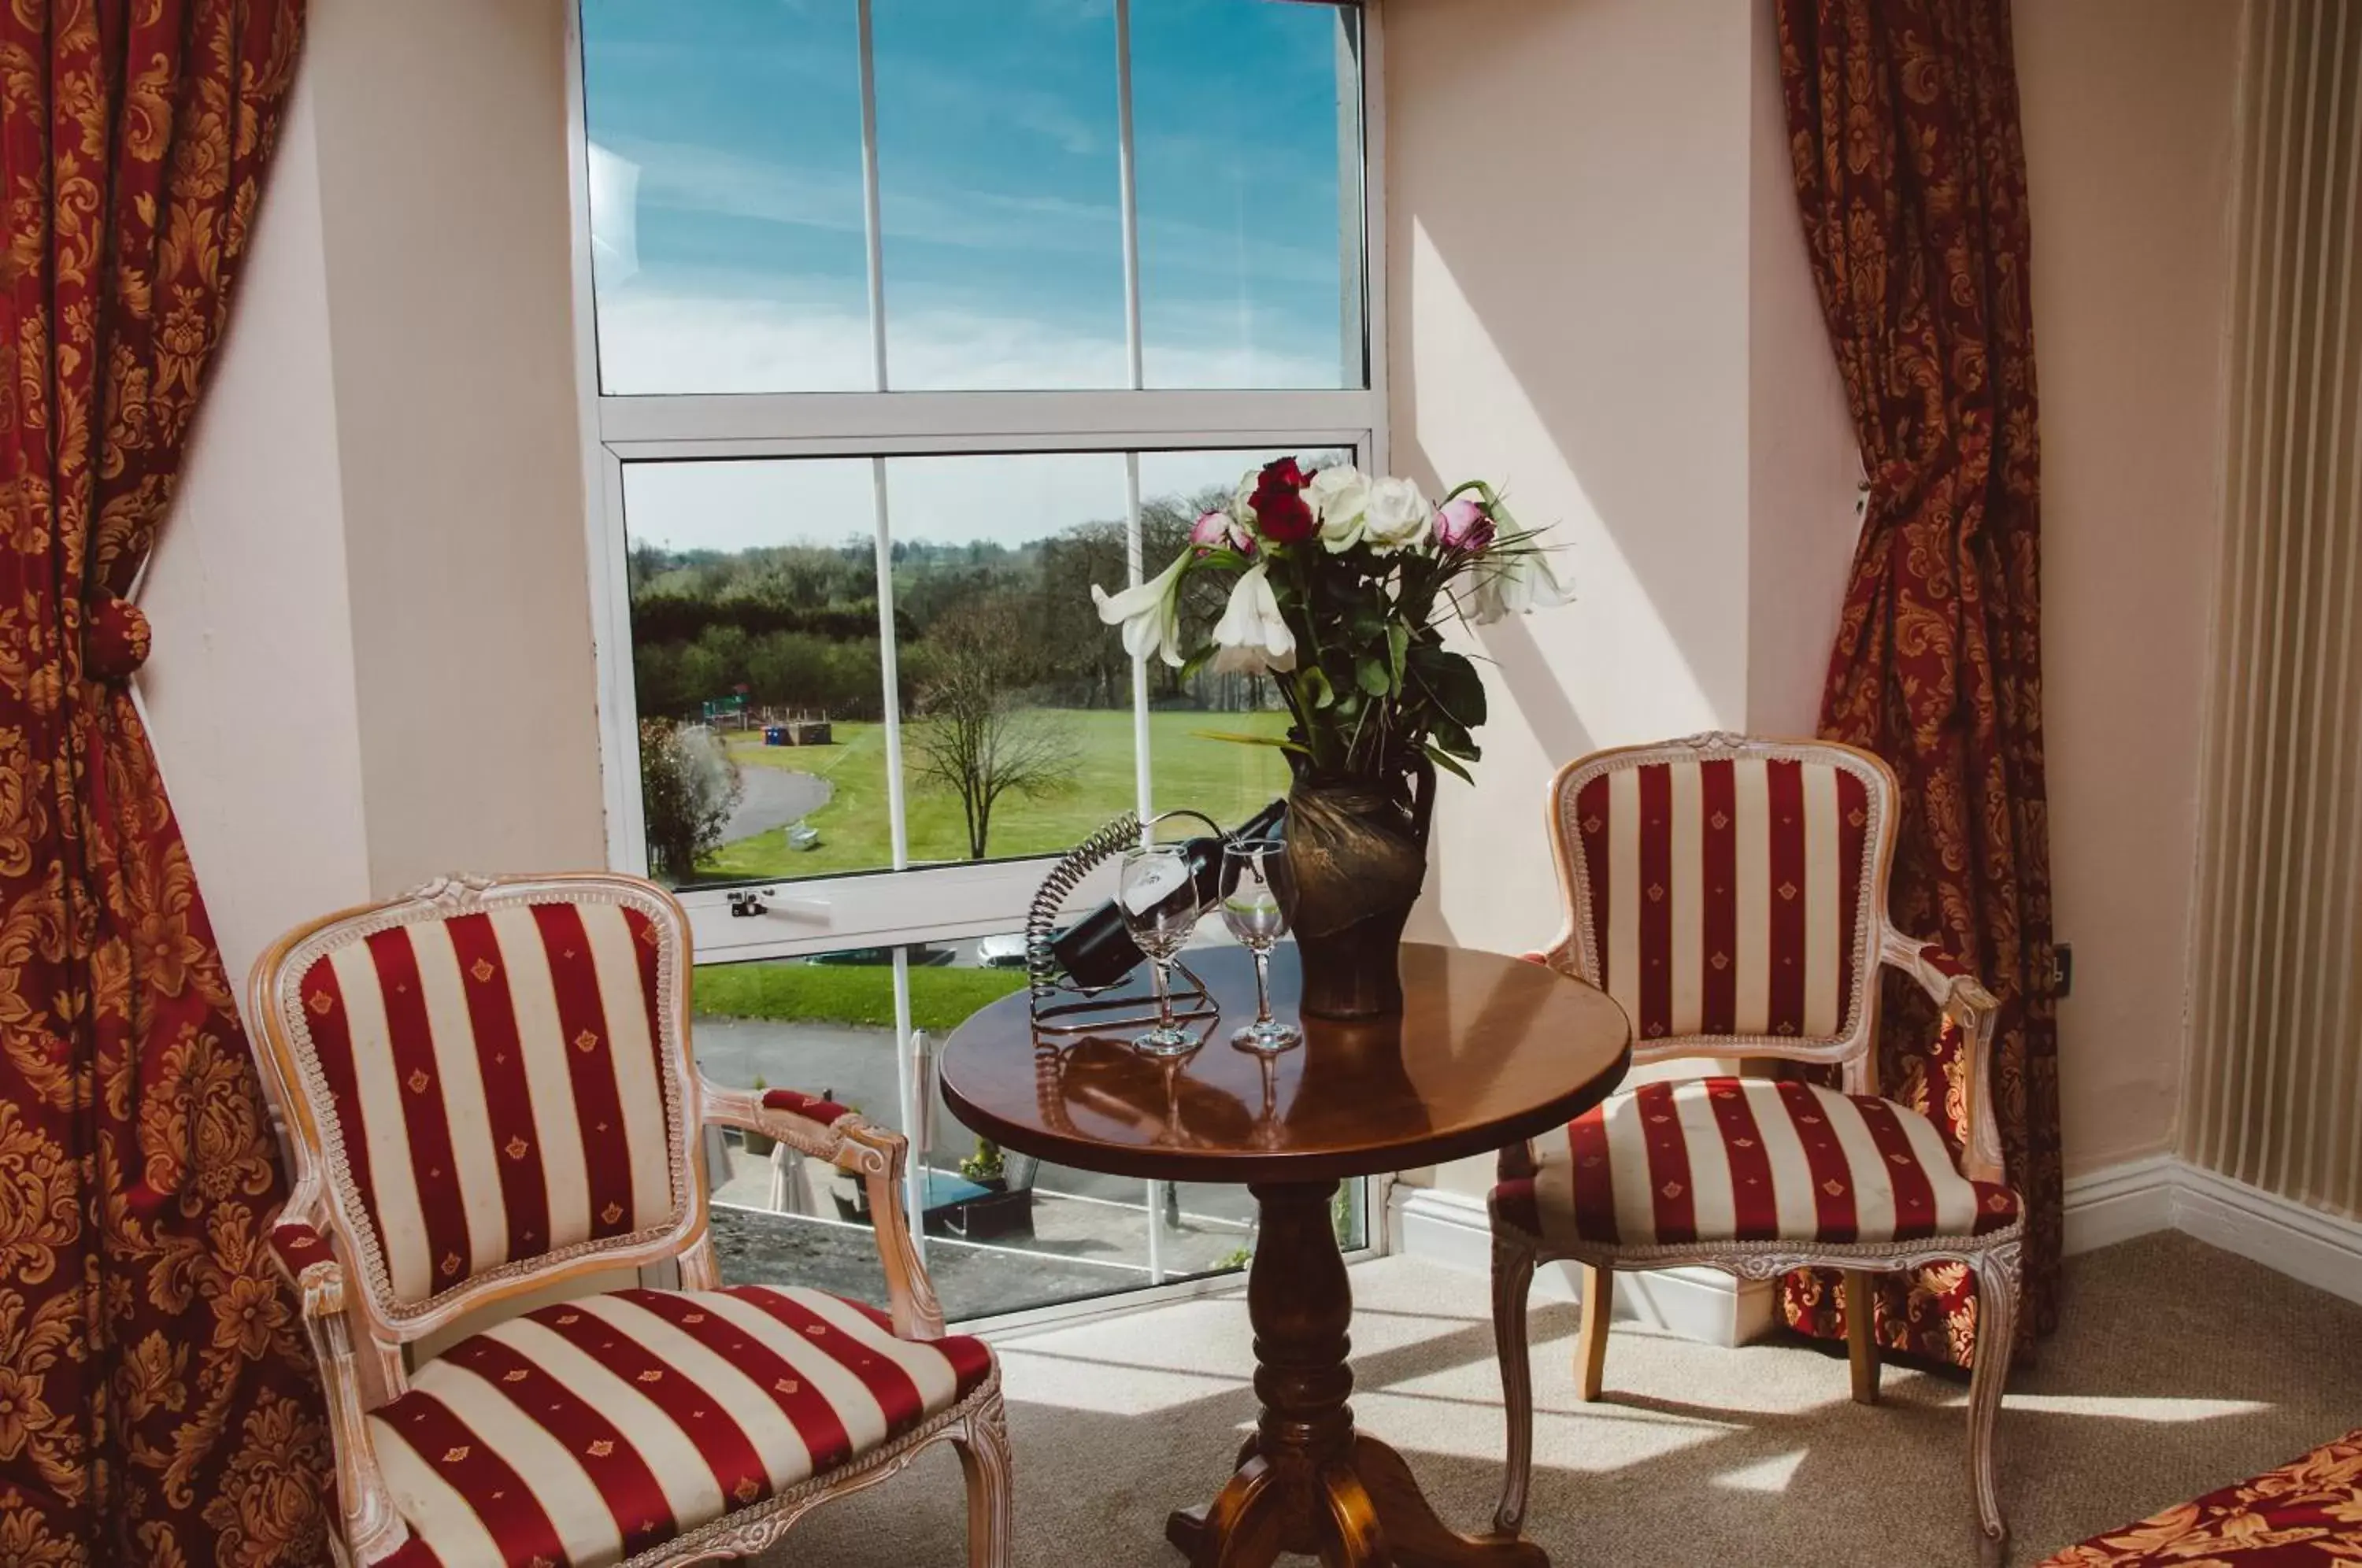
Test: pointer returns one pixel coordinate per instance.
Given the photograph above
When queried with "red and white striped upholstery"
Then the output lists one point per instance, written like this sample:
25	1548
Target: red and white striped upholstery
497	1087
1724	896
1748	1160
585	1432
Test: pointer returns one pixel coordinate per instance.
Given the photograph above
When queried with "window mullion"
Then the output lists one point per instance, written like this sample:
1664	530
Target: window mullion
1134	570
873	225
1128	189
888	670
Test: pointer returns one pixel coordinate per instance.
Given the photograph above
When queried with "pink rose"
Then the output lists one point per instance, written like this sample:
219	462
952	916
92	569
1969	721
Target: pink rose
1464	524
1219	531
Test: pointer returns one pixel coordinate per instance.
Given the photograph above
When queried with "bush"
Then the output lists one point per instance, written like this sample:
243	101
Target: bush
688	786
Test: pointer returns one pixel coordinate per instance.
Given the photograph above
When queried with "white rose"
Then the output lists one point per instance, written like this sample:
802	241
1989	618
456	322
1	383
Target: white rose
1339	496
1397	517
1243	499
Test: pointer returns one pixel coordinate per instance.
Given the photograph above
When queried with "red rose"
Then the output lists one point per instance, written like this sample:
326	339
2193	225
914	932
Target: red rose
1287	472
1282	515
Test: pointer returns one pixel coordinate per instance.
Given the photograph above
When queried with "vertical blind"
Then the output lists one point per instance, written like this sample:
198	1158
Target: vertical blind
2276	1029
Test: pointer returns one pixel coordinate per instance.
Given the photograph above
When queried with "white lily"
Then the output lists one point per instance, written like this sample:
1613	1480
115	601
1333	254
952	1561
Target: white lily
1250	638
1514	582
1149	613
1340	498
1397	517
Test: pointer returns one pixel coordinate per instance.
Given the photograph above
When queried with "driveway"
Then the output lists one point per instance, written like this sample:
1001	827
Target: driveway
773	797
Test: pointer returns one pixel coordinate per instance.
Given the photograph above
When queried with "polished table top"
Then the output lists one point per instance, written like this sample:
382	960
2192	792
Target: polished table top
1487	1050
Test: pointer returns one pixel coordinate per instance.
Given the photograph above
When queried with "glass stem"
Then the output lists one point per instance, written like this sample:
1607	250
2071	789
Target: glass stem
1164	996
1263	985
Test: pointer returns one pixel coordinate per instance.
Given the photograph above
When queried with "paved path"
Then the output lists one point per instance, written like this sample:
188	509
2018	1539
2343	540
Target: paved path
774	797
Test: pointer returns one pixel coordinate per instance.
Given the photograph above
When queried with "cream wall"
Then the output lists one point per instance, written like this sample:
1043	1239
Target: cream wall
2127	111
1599	293
373	657
1567	313
250	692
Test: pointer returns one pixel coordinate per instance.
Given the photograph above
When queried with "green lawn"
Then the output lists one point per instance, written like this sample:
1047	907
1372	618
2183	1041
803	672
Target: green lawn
941	998
1227	780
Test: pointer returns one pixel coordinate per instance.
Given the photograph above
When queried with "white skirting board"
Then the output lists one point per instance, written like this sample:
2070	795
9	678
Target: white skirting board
2162	1193
2156	1193
1702	1304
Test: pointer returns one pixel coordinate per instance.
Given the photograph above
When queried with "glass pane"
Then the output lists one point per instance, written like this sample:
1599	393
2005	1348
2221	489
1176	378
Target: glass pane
1248	148
998	193
754	659
825	1026
1191	763
726	196
1045	1234
1018	731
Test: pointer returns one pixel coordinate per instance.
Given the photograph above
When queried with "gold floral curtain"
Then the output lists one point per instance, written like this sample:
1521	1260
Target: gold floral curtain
157	1405
1911	175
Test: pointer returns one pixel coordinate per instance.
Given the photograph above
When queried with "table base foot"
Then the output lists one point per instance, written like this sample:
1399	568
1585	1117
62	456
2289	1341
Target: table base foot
1361	1509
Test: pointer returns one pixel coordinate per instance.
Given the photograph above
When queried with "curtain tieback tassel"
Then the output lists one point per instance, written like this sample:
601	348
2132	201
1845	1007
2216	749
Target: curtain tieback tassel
115	639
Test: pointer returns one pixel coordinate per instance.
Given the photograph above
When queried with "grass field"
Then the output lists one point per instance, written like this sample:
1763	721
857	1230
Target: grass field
1227	780
940	996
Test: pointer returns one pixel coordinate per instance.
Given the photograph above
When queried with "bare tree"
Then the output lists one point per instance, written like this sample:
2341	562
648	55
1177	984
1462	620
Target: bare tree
977	738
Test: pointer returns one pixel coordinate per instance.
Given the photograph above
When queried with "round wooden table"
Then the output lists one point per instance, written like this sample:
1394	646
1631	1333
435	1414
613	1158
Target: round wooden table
1488	1050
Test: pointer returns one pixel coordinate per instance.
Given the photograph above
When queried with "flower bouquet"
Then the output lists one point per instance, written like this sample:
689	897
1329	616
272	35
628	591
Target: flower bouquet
1341	587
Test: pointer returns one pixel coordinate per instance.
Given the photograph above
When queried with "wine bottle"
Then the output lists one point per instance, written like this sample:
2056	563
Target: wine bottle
1097	951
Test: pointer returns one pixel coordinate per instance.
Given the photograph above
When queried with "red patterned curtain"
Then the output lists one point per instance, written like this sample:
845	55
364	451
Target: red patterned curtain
157	1405
1911	175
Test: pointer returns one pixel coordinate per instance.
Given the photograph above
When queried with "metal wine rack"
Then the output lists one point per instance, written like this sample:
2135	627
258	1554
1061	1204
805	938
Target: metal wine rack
1062	1008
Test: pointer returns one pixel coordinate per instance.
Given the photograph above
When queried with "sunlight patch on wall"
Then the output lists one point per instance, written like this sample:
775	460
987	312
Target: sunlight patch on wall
1627	675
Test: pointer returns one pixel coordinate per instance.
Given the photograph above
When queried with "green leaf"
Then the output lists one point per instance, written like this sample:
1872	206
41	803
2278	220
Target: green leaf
1444	759
1397	646
1372	676
1452	681
1315	685
1236	739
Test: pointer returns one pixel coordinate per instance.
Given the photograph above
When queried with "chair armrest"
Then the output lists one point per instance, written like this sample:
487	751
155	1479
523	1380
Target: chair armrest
823	1130
372	1525
1955	989
310	1266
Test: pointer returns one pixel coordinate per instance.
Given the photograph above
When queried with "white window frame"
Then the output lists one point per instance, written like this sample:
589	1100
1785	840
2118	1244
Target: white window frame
898	906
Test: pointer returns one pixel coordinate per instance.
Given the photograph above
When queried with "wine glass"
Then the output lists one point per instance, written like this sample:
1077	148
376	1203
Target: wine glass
1159	899
1252	877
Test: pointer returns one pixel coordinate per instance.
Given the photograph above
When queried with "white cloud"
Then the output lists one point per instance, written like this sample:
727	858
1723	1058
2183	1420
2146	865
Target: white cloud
796	339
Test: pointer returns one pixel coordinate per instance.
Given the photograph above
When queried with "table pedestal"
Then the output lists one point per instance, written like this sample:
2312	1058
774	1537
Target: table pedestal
1307	1481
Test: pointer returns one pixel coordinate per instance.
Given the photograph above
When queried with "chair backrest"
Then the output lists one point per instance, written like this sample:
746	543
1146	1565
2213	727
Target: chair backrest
1729	892
491	1080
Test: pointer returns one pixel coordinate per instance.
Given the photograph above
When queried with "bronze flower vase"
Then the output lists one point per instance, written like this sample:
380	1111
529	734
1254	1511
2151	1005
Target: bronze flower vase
1356	860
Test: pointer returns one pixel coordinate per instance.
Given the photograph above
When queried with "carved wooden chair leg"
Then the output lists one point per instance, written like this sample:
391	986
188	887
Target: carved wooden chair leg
1513	1278
1997	1287
1598	1306
1861	1339
984	1459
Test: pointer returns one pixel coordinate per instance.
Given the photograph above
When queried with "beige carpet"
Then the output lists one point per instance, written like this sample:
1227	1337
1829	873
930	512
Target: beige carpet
2178	1369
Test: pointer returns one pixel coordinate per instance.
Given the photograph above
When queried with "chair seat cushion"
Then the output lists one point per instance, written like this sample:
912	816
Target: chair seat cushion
1748	1160
583	1433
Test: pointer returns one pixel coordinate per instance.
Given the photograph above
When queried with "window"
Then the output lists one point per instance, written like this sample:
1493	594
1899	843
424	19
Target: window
911	321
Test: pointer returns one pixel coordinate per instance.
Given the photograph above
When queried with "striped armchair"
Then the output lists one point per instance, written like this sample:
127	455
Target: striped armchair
1730	893
489	1090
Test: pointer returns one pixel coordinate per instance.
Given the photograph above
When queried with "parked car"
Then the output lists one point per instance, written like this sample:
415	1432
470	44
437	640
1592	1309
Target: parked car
1003	952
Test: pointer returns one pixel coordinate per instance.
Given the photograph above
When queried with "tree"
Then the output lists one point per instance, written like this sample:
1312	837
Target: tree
977	738
688	786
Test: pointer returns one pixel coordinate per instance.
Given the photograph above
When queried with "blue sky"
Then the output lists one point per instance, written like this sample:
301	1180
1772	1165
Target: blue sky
738	192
